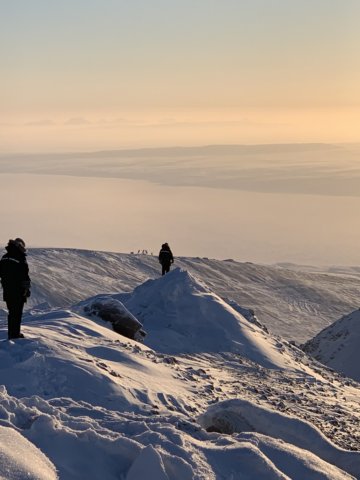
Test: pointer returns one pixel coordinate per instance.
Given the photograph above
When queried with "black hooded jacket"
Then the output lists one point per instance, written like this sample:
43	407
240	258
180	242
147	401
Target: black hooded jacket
14	274
165	255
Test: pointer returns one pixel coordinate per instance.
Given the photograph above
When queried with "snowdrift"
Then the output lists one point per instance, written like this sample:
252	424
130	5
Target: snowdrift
338	346
20	459
242	416
182	315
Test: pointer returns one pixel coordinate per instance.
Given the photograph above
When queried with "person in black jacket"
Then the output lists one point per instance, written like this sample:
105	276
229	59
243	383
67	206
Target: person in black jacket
15	281
165	258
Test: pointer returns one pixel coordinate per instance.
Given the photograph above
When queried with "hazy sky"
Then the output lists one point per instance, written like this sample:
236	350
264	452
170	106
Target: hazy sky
88	74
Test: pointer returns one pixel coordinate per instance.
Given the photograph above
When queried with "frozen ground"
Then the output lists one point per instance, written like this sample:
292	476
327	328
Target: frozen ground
192	402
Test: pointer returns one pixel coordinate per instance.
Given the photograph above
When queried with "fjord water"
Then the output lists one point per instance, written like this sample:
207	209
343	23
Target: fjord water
119	214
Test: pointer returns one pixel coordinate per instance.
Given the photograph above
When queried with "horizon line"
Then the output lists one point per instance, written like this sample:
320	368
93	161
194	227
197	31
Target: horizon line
179	147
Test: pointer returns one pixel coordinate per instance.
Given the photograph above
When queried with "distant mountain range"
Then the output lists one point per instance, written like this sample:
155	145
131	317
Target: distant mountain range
304	168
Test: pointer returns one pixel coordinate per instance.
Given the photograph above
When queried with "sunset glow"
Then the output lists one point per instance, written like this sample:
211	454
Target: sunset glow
94	75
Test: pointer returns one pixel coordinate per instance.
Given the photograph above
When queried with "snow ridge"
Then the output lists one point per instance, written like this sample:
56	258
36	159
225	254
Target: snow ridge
338	345
292	303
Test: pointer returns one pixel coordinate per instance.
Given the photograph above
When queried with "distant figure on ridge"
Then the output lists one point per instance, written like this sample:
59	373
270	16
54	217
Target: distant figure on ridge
15	281
165	258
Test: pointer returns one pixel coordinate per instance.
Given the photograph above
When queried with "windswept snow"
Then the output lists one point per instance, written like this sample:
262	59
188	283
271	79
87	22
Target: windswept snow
295	304
98	405
20	459
182	315
338	345
243	416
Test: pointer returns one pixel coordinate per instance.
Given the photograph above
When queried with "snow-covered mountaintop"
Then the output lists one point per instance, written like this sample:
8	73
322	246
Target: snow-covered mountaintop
182	315
338	345
98	405
294	304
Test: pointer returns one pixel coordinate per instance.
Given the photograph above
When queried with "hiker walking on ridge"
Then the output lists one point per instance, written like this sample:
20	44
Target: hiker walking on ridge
15	281
165	258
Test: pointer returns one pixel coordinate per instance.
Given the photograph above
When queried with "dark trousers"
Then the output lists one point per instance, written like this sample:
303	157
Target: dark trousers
165	268
15	306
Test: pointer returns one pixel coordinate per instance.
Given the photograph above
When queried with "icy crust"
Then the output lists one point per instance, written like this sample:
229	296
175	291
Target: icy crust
338	345
20	459
238	415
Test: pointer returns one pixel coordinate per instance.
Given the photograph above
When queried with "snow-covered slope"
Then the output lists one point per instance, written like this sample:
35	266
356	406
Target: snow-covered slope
182	315
98	405
243	416
338	345
292	303
101	406
94	404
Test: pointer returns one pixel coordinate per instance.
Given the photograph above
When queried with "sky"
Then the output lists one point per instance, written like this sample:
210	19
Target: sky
94	75
88	74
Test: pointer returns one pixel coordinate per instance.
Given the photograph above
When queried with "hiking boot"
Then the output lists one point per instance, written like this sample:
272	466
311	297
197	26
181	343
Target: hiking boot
21	335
